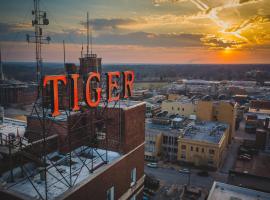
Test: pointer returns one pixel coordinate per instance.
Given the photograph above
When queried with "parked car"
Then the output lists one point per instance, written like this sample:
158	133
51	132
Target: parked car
203	173
243	157
184	171
152	165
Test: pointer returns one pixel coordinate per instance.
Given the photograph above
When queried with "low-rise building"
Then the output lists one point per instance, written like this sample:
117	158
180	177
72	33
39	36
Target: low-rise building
223	191
153	142
183	107
169	130
221	111
203	143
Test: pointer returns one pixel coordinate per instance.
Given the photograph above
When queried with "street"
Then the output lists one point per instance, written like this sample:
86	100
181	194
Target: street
171	176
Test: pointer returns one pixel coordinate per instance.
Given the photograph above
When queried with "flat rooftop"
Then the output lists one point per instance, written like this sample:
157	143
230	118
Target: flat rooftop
261	113
152	128
205	131
81	163
223	191
123	104
12	126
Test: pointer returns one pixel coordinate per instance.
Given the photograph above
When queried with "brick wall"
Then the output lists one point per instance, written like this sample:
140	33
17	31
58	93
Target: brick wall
117	175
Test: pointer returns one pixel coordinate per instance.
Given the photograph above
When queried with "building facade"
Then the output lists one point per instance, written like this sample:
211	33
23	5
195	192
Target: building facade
112	167
183	108
221	111
203	144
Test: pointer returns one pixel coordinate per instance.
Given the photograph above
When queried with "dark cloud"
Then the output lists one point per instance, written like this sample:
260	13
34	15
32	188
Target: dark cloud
135	38
109	24
151	39
4	27
215	42
13	32
247	1
258	19
9	33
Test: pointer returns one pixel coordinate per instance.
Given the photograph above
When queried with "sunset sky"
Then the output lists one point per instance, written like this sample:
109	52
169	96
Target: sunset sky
143	31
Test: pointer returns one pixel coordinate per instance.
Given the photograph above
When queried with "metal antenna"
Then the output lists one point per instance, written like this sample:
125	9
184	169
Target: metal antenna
40	19
82	51
64	49
91	42
87	25
1	67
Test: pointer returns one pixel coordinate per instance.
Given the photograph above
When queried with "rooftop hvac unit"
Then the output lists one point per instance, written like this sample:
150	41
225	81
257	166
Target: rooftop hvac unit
101	135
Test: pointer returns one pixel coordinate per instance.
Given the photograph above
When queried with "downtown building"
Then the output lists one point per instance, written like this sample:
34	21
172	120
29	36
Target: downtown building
93	153
111	168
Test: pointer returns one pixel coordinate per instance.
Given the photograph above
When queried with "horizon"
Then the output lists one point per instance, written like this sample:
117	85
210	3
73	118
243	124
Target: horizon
77	63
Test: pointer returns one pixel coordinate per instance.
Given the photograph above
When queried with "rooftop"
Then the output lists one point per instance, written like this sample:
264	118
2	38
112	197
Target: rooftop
123	104
211	132
12	126
153	128
57	183
224	191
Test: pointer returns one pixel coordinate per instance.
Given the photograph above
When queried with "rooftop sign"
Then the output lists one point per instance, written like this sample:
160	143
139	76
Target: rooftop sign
112	84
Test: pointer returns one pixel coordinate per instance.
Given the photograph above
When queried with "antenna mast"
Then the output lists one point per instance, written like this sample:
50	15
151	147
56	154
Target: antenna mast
64	48
91	43
40	19
87	25
1	67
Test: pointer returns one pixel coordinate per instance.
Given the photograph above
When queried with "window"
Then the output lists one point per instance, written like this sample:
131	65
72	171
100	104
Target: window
133	197
191	148
183	109
183	147
183	156
197	149
172	108
211	151
110	193
202	150
178	109
165	140
210	162
133	176
175	141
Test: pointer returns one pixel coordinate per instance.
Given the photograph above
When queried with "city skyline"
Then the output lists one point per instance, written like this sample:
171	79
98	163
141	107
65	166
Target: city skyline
158	31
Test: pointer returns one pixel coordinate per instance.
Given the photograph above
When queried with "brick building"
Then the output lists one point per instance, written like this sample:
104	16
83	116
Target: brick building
107	155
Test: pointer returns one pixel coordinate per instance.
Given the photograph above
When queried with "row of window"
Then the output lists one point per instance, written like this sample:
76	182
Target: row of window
183	109
170	140
169	149
110	191
211	151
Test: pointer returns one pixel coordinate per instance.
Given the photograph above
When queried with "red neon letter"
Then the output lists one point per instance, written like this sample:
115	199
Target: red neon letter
88	97
54	91
128	80
112	85
74	91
